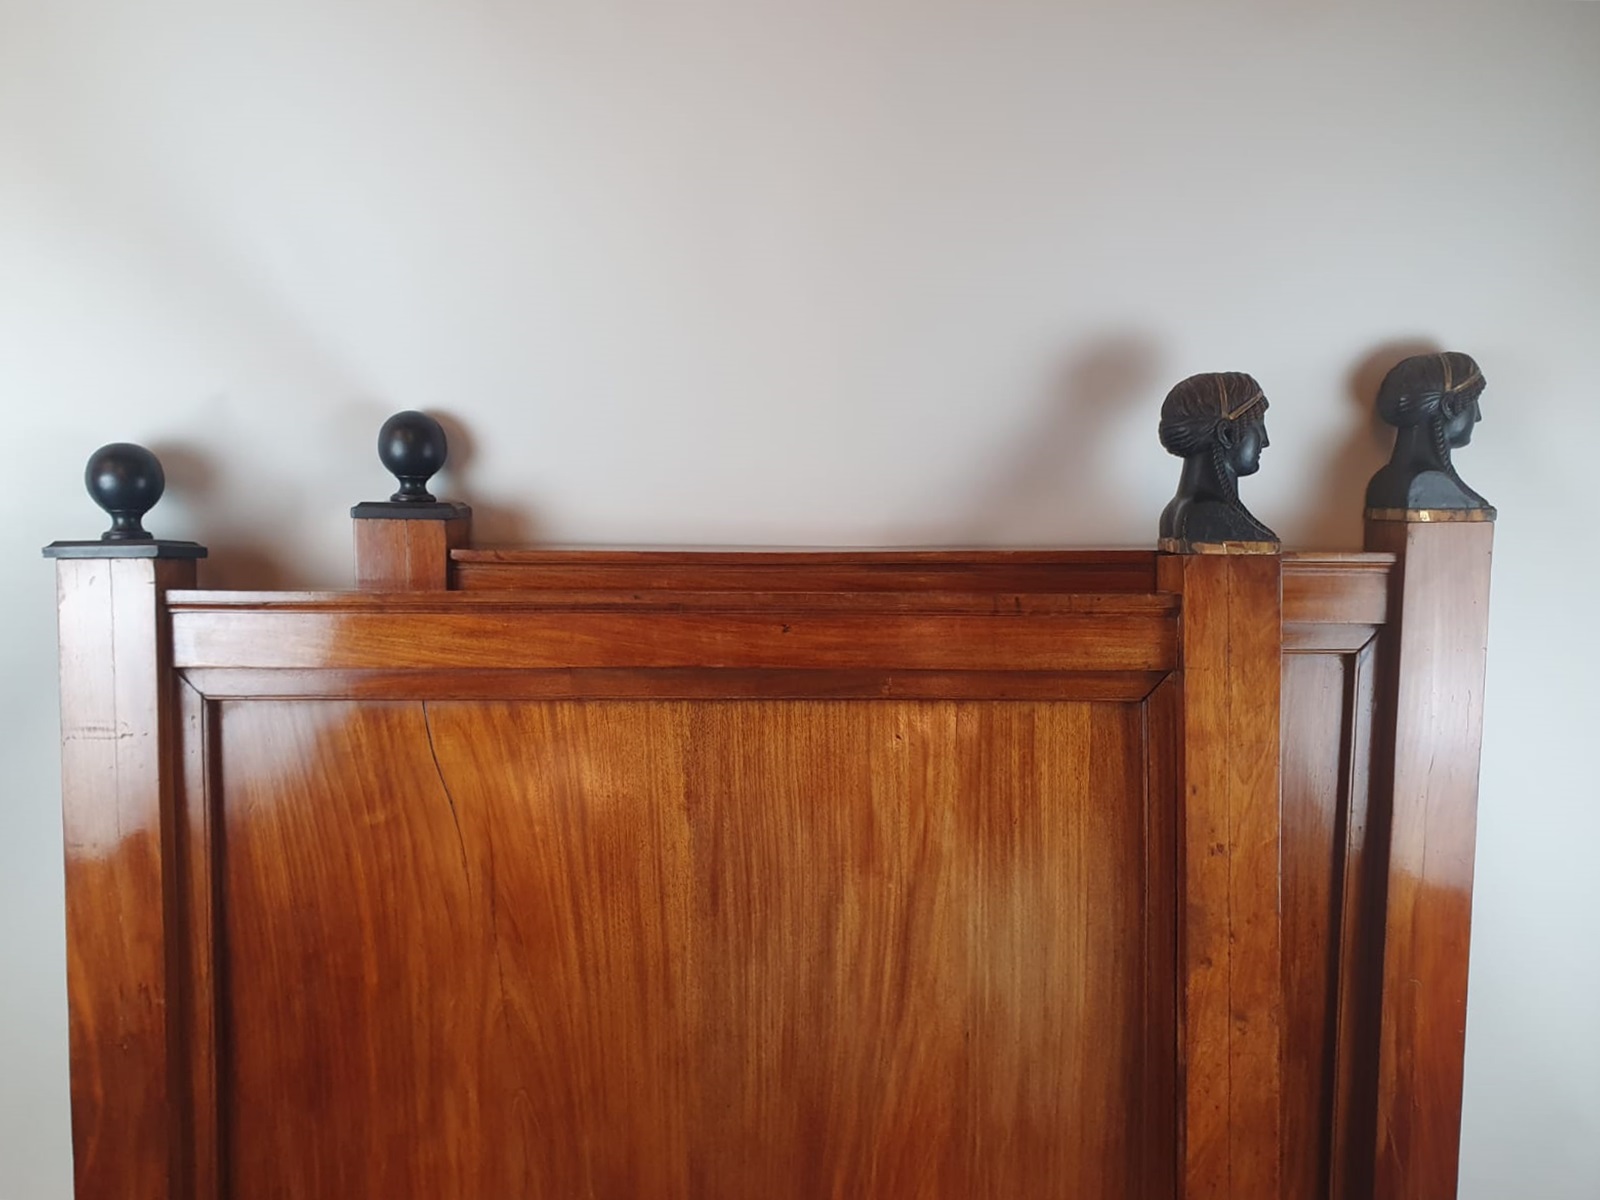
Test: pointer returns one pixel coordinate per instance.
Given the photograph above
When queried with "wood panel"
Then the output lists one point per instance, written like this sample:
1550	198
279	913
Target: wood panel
683	948
1332	928
408	553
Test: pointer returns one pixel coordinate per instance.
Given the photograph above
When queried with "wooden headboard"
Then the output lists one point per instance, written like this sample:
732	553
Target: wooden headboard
544	873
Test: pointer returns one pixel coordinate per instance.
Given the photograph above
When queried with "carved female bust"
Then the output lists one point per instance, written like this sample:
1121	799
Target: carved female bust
1432	399
1217	425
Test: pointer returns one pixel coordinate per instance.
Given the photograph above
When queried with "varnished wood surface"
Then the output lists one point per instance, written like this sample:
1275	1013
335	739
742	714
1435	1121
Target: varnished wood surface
311	693
697	949
1336	589
407	554
1332	930
117	773
1436	665
674	684
805	571
341	637
659	600
1231	998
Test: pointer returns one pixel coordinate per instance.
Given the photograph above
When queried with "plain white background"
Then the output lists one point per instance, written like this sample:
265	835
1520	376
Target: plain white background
840	273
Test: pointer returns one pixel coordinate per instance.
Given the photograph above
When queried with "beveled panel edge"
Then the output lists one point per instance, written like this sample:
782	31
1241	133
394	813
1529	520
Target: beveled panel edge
807	556
732	600
671	684
1105	570
1327	638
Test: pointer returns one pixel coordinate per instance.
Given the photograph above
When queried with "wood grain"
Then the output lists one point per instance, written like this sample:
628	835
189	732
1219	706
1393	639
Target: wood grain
407	554
117	706
1232	989
1330	929
1436	668
708	949
1336	589
333	636
806	571
674	684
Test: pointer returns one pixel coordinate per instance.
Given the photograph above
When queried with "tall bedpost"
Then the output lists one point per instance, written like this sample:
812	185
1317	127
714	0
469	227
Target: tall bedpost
118	707
403	544
1227	567
1442	533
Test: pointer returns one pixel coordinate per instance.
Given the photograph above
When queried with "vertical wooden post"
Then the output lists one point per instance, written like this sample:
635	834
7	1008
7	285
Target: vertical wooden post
1231	991
1434	656
399	549
403	544
117	713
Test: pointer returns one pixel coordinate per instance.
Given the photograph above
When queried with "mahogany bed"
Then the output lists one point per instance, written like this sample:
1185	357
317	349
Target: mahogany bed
546	873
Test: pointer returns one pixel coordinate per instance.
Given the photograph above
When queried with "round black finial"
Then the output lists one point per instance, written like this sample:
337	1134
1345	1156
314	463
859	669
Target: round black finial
412	447
125	480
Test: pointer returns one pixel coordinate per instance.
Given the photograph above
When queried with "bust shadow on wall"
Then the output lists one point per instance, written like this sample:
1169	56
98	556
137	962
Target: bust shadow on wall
1053	483
1329	516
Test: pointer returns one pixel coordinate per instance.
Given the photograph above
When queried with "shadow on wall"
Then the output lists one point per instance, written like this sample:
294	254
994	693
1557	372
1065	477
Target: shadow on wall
1057	482
1054	484
250	542
493	524
1330	516
242	554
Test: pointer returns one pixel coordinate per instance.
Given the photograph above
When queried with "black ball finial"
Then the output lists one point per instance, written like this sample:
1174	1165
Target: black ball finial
412	447
125	480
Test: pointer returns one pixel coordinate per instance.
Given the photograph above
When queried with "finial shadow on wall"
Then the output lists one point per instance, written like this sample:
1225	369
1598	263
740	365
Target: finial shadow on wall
493	524
247	555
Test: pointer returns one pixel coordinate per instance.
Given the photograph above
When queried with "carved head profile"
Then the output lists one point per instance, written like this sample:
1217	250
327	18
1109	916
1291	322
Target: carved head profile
1217	424
1433	400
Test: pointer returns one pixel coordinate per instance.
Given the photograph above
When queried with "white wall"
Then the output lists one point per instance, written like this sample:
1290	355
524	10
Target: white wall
864	272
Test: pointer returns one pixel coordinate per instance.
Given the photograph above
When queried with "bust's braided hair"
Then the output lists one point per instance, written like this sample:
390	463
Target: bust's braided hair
1197	411
1430	389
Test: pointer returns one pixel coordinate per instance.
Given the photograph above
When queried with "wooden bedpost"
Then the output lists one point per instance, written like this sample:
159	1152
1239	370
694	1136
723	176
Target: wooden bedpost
1231	985
117	712
1442	533
403	544
1435	674
1228	568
